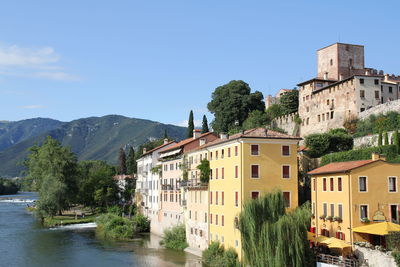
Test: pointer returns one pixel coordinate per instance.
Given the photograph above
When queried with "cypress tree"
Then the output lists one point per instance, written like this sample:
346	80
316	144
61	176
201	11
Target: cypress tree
204	128
190	125
165	134
386	136
122	161
131	161
380	139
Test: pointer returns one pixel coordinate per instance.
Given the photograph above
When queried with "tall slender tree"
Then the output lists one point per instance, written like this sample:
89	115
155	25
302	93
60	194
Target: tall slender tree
190	125
273	237
131	161
204	128
122	161
165	134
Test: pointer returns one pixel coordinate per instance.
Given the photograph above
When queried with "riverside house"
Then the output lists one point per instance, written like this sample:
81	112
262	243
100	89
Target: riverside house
350	194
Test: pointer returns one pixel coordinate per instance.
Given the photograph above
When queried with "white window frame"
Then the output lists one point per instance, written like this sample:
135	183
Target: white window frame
367	211
290	151
390	214
251	171
391	192
290	170
341	178
258	149
330	208
366	184
326	208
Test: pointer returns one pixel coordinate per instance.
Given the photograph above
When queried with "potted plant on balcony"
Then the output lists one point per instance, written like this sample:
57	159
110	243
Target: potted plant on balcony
337	219
322	217
365	220
329	218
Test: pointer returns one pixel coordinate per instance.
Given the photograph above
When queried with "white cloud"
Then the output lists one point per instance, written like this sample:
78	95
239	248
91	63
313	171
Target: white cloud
32	63
197	123
32	107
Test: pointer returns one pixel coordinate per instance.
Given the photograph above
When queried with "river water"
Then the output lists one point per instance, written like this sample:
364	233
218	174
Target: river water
24	242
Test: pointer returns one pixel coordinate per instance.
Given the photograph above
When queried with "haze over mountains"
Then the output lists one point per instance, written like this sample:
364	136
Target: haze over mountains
93	138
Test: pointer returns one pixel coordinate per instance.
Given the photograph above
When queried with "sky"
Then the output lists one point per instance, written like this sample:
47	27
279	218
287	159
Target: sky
158	60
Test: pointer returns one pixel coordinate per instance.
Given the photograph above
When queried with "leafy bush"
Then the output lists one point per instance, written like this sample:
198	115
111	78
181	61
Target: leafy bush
360	154
175	238
396	256
333	141
216	255
115	210
393	241
204	168
378	123
141	223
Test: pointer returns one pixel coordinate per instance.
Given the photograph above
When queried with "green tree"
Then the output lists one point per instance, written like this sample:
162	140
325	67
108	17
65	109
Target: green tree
204	128
131	164
386	136
122	161
165	134
204	168
396	141
233	102
274	111
190	125
290	101
257	118
54	171
380	139
273	237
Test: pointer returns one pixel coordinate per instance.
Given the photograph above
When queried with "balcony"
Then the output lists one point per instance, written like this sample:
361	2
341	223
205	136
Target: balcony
184	203
167	187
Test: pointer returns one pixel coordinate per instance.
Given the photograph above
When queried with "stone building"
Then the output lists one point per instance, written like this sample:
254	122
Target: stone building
342	89
270	100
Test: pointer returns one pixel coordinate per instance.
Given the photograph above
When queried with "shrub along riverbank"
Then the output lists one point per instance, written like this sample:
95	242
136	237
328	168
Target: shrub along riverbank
175	238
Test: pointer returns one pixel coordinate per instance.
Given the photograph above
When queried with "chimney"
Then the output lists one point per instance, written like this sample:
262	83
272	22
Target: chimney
223	136
203	141
144	150
377	156
325	76
367	72
340	77
165	141
196	133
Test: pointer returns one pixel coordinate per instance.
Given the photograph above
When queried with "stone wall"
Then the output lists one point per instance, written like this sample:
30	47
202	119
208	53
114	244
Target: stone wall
286	123
383	108
371	140
375	258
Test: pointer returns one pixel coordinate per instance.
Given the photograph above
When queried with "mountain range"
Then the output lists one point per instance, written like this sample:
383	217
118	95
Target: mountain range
93	138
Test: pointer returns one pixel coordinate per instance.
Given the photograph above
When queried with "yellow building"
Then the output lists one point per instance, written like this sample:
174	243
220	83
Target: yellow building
346	195
244	166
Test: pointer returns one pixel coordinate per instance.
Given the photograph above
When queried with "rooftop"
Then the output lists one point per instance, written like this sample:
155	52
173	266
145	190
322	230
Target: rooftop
339	167
156	148
184	142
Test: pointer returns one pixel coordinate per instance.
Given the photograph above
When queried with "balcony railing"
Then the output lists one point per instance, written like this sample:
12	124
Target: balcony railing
334	260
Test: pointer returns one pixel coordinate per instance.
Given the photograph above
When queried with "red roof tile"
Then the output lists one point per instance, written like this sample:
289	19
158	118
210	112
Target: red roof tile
337	167
152	150
184	142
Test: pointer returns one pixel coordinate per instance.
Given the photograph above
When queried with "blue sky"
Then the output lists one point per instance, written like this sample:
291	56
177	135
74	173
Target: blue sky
158	59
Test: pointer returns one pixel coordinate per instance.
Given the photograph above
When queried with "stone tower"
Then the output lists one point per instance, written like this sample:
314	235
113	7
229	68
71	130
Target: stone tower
339	61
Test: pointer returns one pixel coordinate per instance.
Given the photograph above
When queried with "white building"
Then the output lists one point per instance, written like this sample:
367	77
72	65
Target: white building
148	184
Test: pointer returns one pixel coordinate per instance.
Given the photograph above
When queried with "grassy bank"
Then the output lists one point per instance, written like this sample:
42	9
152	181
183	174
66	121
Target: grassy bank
67	219
113	226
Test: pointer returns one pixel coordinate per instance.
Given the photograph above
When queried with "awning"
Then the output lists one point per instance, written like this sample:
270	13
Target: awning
170	153
335	243
382	228
310	236
320	238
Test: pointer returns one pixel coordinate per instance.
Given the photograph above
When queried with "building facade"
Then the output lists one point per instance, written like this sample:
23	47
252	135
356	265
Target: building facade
345	195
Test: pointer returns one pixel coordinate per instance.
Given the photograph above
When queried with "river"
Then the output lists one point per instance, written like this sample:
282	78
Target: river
24	242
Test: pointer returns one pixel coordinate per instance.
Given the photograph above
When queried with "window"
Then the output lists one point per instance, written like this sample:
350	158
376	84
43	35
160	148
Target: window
254	150
362	93
210	197
394	213
210	155
319	118
190	214
286	197
201	233
339	184
313	208
216	219
376	94
254	194
205	217
229	152
331	62
327	102
331	114
392	184
236	150
210	174
325	209
332	188
236	171
340	210
216	198
324	184
216	173
255	171
285	171
361	81
222	173
210	218
222	153
362	184
333	210
390	90
285	150
314	184
376	81
363	211
236	199
222	198
216	155
222	220
236	243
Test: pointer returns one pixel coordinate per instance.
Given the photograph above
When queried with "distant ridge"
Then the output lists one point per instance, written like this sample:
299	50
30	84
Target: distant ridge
93	138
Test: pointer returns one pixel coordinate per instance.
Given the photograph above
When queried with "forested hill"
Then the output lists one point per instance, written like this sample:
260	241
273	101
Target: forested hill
94	138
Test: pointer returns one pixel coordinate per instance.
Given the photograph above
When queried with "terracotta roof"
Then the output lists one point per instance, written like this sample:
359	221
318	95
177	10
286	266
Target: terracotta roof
337	167
302	148
184	142
156	148
252	133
